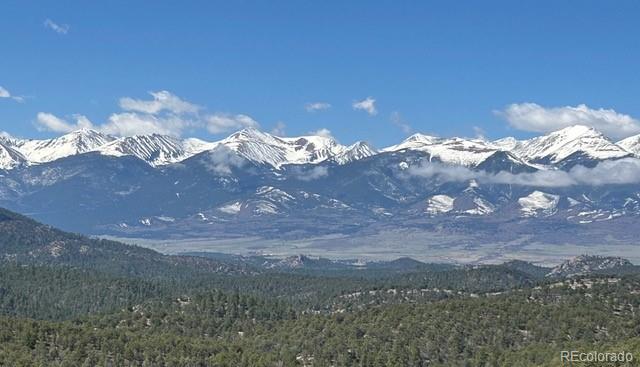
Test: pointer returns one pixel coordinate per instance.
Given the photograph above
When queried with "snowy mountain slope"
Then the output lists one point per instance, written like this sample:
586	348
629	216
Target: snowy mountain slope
631	144
506	161
438	204
193	146
269	200
155	149
561	144
458	151
10	157
263	148
76	142
508	144
538	203
472	201
355	152
414	142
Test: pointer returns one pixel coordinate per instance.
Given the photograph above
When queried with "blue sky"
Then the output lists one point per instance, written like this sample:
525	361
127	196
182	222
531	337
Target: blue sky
440	67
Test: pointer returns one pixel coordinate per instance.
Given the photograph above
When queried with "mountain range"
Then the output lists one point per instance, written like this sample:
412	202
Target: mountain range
259	147
254	184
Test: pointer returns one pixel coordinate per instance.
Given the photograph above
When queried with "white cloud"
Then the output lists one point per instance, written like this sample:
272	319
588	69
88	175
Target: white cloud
324	132
618	172
58	28
278	130
533	117
222	122
131	123
162	101
5	136
4	93
165	114
50	122
397	120
222	160
316	106
314	173
479	132
368	105
122	124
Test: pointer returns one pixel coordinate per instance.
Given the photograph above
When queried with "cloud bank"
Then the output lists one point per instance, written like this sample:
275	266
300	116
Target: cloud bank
536	118
618	172
165	113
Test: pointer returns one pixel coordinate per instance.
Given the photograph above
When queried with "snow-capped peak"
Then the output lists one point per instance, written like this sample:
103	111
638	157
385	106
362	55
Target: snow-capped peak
76	142
354	152
264	148
251	134
414	142
459	151
558	145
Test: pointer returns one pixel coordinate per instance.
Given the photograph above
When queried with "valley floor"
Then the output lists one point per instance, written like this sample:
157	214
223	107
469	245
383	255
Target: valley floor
425	246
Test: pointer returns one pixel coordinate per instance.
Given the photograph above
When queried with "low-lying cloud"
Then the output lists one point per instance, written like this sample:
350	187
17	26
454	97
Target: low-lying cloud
619	172
310	174
223	160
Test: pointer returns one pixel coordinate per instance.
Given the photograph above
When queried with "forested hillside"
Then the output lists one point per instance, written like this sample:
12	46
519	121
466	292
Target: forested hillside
68	300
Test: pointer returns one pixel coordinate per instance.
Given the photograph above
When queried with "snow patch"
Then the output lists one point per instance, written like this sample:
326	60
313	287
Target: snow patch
438	204
233	208
483	207
538	203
